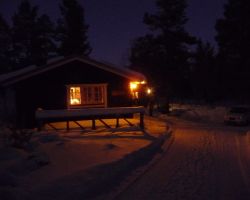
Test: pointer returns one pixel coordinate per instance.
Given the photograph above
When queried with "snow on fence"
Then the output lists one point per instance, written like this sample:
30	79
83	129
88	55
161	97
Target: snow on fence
46	116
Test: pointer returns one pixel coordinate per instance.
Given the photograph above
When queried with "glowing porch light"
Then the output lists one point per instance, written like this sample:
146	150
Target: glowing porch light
135	88
133	85
149	91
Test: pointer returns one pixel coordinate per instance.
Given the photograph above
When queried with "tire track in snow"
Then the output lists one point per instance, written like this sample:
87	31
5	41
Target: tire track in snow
188	181
203	163
187	177
243	168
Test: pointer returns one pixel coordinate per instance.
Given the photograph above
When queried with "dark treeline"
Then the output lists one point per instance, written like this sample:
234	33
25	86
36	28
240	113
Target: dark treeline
33	39
181	66
177	64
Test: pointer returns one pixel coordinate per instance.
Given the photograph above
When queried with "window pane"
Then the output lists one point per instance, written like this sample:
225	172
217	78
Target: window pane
75	95
97	94
93	94
89	94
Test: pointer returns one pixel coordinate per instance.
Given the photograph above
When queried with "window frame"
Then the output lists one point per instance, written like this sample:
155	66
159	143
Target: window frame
92	97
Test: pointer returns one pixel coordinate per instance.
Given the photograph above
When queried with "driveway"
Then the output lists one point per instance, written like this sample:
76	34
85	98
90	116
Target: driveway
203	162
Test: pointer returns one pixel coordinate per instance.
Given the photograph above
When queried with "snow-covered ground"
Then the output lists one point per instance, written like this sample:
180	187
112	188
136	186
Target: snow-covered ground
55	161
203	162
199	113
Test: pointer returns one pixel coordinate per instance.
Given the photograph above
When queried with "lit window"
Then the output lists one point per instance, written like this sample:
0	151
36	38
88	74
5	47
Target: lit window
75	95
136	95
87	95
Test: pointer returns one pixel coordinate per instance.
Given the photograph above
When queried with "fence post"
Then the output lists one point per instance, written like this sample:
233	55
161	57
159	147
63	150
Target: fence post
93	124
142	120
67	125
40	125
117	122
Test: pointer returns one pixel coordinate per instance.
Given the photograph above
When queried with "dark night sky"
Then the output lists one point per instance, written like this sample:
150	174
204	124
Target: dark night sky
114	23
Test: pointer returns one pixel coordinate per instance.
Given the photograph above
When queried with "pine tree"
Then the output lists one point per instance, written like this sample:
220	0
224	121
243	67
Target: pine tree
203	73
163	55
24	23
72	30
5	41
44	46
32	36
233	38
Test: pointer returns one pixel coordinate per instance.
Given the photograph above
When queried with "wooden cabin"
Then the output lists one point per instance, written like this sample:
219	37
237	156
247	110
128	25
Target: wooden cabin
67	83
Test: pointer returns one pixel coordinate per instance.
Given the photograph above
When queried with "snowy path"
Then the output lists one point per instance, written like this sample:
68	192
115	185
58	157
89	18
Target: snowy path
202	163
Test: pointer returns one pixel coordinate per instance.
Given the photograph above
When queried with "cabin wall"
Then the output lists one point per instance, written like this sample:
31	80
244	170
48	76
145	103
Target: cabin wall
48	90
1	105
8	105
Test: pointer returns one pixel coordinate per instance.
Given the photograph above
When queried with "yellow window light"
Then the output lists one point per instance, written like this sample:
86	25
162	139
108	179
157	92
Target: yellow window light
75	101
75	95
136	95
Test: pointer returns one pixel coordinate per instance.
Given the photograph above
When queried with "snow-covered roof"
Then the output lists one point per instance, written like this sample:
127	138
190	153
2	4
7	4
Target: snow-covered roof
24	73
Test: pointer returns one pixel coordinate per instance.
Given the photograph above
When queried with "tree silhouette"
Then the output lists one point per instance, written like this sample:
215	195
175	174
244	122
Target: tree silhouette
203	74
72	30
163	55
23	33
5	43
233	38
44	46
32	36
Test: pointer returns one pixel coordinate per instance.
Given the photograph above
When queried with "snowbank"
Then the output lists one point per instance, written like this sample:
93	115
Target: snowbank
199	113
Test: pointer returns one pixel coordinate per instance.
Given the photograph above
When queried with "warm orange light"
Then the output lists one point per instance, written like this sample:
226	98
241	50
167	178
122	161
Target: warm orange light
133	85
75	101
75	95
149	91
136	95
